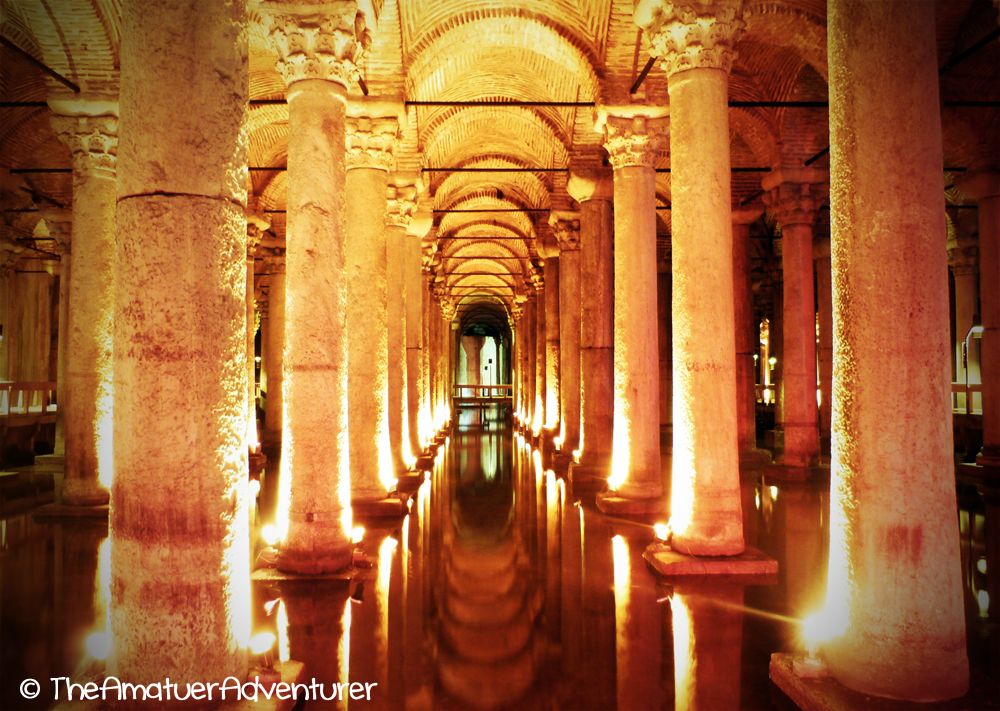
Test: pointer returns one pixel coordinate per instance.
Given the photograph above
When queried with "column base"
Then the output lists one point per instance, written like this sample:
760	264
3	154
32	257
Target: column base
50	461
58	511
289	564
611	502
79	492
989	458
257	462
785	472
588	477
425	462
410	480
754	457
391	506
670	563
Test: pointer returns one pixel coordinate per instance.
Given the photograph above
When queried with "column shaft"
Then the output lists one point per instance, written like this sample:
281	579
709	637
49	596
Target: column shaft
824	295
746	342
894	590
569	348
552	370
275	355
415	391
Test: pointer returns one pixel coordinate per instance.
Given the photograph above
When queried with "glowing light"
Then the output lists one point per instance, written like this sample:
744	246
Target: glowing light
270	605
768	396
620	446
235	569
661	531
819	397
559	441
98	645
983	599
756	500
357	534
261	643
622	569
577	453
385	553
105	425
772	361
684	679
981	565
682	472
345	641
773	491
271	534
254	488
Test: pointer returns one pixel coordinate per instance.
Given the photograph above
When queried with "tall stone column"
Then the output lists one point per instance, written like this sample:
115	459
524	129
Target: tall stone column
566	227
746	341
963	260
824	295
371	139
593	191
472	345
416	390
552	372
984	187
793	196
894	598
540	415
317	54
90	129
663	340
60	224
694	42
179	523
431	329
274	352
530	358
256	226
401	203
634	137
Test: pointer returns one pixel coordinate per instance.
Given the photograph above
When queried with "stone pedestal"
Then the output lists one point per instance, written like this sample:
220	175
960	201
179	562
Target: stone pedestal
90	129
594	191
893	619
634	138
315	490
694	42
179	525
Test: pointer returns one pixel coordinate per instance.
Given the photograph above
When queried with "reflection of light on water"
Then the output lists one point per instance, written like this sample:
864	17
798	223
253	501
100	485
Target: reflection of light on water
345	641
489	457
983	600
281	624
683	653
622	576
98	642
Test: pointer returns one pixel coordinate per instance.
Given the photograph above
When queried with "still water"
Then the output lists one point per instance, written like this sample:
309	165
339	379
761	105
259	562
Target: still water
503	589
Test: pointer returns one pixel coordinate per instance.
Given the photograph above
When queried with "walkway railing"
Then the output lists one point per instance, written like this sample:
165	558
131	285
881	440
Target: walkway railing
27	398
967	398
479	395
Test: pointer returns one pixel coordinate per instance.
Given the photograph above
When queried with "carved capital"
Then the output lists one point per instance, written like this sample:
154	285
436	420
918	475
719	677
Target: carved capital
963	256
371	142
794	196
635	139
586	185
318	41
401	204
566	228
274	260
691	34
257	225
93	142
60	225
10	253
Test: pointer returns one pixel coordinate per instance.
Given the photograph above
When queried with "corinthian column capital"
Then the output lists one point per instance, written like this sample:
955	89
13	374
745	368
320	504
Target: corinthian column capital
634	135
401	204
318	41
60	225
566	228
90	129
794	196
691	34
371	142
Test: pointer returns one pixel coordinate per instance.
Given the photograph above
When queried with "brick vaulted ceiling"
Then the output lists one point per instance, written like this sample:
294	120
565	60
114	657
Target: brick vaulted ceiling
493	53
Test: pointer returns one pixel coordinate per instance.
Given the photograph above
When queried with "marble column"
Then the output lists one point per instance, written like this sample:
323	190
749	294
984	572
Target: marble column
984	187
530	358
894	597
824	297
471	346
566	228
540	416
90	129
60	224
274	351
372	130
694	41
179	515
793	197
635	137
401	196
593	191
256	226
664	327
553	380
317	55
747	343
416	391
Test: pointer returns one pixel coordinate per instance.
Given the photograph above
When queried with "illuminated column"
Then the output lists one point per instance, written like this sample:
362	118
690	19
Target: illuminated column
539	416
566	227
747	342
60	224
416	390
315	490
472	345
90	129
530	357
895	583
824	296
180	558
985	188
552	373
793	196
663	337
401	204
256	225
371	138
694	42
594	192
274	352
634	138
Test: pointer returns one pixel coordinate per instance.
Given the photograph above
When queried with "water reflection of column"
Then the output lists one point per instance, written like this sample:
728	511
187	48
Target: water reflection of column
637	631
369	657
708	643
553	555
801	515
319	630
571	601
598	620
